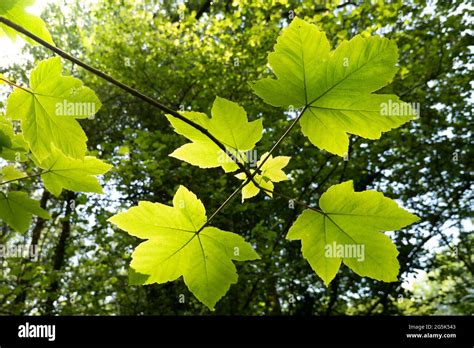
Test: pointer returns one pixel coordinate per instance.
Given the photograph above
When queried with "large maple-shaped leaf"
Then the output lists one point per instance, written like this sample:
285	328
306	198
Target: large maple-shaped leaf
17	209
48	110
175	248
228	124
334	87
63	172
270	172
14	10
349	230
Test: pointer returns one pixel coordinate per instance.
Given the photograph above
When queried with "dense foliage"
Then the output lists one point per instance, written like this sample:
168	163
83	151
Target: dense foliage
185	55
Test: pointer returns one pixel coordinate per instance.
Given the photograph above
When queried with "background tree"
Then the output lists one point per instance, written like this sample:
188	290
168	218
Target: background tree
186	54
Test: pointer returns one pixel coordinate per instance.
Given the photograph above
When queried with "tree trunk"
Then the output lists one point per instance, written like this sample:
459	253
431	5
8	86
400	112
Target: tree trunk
59	255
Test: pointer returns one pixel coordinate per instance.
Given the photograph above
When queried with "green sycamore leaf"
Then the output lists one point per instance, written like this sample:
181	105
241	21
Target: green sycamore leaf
79	175
48	110
17	209
175	248
334	87
10	173
14	10
229	124
271	172
349	230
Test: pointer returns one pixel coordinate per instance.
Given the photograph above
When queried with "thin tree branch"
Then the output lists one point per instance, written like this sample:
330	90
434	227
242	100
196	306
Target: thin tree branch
250	176
15	85
287	227
24	177
282	137
164	108
227	201
124	87
325	9
60	253
295	200
203	9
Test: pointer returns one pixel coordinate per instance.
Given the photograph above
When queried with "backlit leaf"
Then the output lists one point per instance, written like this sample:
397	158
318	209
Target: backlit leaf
176	247
48	110
349	229
334	87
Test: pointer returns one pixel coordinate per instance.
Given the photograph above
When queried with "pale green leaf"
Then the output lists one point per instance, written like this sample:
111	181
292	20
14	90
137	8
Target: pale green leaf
48	110
229	125
10	173
63	172
270	172
124	150
17	209
175	248
349	230
335	87
15	11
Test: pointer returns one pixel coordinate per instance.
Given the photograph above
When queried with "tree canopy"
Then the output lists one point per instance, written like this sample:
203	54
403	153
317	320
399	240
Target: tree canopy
202	58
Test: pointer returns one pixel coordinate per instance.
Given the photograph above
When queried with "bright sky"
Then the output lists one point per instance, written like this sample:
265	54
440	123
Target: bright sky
11	52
